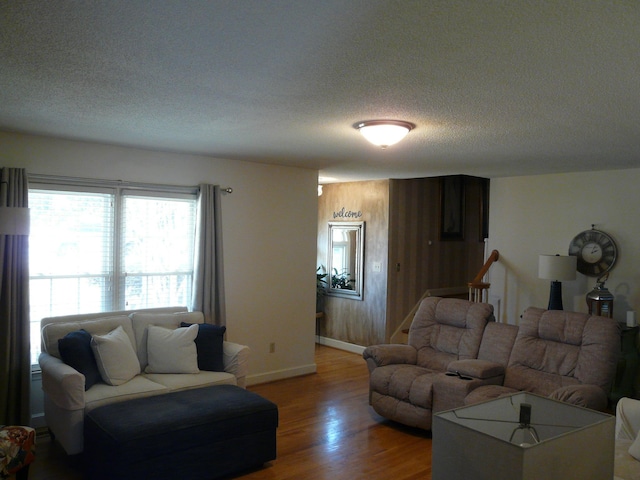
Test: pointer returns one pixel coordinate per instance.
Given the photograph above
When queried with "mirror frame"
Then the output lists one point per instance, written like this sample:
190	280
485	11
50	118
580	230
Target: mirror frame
358	290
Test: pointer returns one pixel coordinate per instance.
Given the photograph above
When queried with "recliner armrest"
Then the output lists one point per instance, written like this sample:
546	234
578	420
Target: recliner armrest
388	354
588	396
236	361
63	384
476	368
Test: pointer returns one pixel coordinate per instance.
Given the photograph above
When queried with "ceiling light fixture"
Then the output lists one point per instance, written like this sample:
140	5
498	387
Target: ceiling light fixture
384	133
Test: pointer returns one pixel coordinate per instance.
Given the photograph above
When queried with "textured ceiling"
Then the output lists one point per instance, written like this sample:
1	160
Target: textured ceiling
496	88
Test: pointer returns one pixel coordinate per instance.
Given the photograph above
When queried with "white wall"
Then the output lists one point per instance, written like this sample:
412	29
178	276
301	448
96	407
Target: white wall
540	215
269	222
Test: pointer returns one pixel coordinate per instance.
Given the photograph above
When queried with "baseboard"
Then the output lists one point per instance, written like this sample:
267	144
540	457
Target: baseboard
340	345
281	374
38	421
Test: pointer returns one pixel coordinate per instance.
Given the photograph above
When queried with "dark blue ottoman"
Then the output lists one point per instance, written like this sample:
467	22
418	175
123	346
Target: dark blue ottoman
204	433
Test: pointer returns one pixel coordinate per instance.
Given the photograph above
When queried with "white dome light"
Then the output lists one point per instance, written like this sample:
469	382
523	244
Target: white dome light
384	133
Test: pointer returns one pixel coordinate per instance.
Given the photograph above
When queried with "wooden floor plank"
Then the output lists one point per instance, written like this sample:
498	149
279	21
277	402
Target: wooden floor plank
327	431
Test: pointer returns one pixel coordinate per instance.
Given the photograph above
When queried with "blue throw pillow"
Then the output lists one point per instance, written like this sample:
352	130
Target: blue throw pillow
75	351
209	346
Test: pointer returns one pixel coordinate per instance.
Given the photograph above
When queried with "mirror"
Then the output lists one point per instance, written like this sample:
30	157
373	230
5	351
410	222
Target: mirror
345	262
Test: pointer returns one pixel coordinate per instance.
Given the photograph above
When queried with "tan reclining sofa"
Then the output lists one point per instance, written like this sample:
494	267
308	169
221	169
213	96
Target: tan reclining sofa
457	355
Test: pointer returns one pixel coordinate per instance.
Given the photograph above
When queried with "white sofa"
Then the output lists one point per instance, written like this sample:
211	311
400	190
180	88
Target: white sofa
65	400
627	466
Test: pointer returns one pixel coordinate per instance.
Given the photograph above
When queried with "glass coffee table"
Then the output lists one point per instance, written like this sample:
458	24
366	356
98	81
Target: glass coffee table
522	436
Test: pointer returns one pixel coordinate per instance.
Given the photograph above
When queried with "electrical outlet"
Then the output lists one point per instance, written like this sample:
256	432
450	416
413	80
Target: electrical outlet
377	267
272	347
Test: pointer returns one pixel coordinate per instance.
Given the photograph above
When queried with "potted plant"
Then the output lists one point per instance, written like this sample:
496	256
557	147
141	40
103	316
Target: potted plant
341	280
321	289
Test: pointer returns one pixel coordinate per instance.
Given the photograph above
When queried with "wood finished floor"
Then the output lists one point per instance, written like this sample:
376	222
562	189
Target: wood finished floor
327	430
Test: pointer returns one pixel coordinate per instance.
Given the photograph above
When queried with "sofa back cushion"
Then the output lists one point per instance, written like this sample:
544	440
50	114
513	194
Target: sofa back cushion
556	348
497	343
448	329
54	331
51	335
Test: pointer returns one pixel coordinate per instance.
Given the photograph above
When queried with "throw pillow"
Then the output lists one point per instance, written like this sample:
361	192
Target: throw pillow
115	356
172	351
75	351
634	449
209	344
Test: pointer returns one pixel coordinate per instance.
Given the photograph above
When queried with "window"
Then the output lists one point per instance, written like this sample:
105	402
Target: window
94	249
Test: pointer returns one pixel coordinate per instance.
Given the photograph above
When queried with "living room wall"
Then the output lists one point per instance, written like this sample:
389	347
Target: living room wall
269	239
540	215
346	320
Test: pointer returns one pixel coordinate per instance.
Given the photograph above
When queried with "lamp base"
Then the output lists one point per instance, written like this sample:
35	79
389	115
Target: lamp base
555	296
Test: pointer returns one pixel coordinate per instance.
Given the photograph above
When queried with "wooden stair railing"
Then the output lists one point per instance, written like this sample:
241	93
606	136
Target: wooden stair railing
478	288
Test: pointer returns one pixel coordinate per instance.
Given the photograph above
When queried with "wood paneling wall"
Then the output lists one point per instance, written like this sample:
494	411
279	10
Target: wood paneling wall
403	235
354	321
418	259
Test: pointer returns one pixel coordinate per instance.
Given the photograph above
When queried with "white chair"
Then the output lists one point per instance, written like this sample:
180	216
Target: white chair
627	466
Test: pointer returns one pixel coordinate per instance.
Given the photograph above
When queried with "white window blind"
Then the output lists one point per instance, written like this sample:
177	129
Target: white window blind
94	249
157	251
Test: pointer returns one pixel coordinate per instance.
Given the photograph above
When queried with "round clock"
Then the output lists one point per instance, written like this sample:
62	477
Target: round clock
596	252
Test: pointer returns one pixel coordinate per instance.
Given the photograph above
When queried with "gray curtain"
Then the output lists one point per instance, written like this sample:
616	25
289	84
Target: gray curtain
208	281
15	361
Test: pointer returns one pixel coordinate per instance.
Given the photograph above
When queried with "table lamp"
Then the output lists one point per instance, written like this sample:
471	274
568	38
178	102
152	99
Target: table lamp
557	268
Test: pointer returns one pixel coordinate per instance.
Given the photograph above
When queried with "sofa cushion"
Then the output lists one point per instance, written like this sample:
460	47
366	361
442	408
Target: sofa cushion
406	383
138	387
115	356
626	467
481	369
186	381
634	448
487	392
141	320
556	348
209	345
52	332
447	329
172	351
75	351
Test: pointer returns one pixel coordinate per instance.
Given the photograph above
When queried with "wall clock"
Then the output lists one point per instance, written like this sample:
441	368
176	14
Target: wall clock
596	252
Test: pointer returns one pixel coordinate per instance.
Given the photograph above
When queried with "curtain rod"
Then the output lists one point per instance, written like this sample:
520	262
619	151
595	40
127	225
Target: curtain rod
93	182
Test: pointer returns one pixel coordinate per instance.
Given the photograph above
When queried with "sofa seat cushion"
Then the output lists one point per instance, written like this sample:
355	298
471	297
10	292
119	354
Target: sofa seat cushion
481	369
406	383
184	381
540	382
487	392
139	386
625	466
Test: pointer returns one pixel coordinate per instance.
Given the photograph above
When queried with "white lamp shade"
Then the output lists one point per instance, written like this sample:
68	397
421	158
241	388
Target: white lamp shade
557	267
384	133
14	221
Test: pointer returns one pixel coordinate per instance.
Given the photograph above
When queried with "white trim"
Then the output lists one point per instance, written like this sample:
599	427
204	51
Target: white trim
281	374
349	347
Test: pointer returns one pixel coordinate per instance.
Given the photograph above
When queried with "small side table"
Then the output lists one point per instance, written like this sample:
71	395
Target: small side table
17	451
627	365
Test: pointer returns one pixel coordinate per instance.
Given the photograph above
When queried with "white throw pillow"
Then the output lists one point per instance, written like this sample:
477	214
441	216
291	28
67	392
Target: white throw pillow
172	351
634	449
115	356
